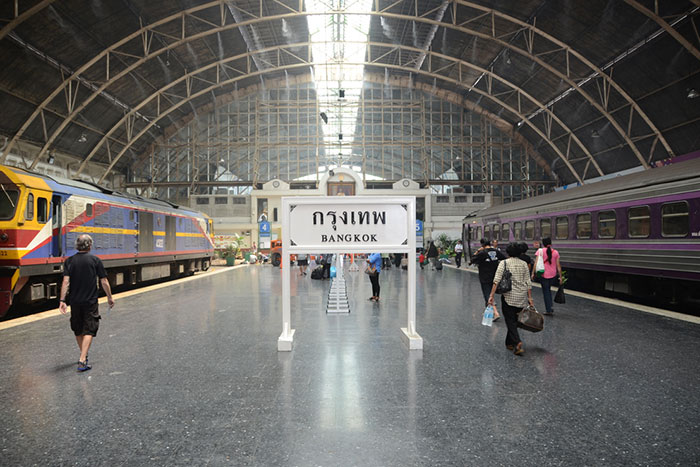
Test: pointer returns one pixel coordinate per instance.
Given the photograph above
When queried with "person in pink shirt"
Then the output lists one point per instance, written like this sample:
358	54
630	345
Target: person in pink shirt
552	270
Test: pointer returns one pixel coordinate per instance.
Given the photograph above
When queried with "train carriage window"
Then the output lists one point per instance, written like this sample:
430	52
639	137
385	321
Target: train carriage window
583	226
505	232
529	230
88	210
487	232
478	234
8	202
42	210
517	230
132	215
546	228
29	213
675	219
639	223
562	227
606	224
496	232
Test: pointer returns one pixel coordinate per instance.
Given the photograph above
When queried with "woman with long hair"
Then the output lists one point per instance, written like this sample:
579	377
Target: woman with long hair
517	298
552	269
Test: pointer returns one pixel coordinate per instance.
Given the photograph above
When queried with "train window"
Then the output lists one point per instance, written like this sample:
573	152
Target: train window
606	224
42	210
478	233
562	227
529	230
487	232
88	210
505	232
517	230
639	223
583	226
546	228
29	213
8	203
674	219
132	215
496	232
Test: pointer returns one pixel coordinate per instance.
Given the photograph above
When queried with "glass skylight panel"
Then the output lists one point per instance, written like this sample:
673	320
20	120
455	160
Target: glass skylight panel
339	34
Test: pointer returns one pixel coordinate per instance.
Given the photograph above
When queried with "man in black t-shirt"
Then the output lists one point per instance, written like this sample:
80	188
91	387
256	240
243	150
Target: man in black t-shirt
487	258
80	273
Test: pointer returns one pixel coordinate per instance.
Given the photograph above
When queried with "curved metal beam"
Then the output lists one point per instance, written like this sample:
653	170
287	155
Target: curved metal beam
150	30
188	77
666	27
20	18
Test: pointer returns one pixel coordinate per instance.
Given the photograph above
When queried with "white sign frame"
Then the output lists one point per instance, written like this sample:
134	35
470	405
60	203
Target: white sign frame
408	334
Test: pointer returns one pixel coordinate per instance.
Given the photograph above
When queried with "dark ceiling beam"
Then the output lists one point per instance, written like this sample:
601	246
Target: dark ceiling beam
180	18
654	15
19	18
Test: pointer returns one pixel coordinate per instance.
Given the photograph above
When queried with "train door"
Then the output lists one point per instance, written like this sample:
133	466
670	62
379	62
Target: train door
170	233
145	232
56	227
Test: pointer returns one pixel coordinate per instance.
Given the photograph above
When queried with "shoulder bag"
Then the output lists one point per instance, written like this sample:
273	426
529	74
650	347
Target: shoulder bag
506	282
539	264
530	319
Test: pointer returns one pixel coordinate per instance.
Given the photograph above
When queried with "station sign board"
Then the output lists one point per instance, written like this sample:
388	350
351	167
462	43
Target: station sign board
348	225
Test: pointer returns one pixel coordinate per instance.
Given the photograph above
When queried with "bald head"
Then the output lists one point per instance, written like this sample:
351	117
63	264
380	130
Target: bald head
83	243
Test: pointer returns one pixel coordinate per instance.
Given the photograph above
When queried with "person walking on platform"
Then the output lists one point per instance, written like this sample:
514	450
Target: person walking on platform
552	269
303	262
486	258
432	254
374	264
80	274
517	298
459	250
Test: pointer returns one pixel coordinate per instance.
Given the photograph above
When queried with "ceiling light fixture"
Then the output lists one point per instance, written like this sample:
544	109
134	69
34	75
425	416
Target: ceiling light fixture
82	138
51	159
595	134
693	94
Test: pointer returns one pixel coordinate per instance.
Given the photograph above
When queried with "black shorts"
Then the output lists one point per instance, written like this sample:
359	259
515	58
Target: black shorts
303	262
85	319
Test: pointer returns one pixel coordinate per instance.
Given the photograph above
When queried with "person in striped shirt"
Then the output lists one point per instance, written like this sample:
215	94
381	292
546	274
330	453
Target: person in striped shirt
517	298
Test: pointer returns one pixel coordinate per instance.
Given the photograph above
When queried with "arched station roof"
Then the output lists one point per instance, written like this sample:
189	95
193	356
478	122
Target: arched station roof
595	87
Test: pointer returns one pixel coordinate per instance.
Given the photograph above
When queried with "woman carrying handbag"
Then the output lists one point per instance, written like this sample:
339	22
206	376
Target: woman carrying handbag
518	297
374	267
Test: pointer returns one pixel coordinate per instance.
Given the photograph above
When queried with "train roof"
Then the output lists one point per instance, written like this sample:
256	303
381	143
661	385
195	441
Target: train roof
687	169
93	187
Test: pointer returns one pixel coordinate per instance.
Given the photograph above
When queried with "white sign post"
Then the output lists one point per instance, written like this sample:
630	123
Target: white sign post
350	224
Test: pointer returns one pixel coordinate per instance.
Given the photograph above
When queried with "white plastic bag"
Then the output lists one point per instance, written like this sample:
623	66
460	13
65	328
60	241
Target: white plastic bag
487	320
539	265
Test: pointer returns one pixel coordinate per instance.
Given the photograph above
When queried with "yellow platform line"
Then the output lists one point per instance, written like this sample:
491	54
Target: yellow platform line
103	300
614	301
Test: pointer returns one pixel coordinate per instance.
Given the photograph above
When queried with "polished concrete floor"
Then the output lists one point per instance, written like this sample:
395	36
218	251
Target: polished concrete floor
190	375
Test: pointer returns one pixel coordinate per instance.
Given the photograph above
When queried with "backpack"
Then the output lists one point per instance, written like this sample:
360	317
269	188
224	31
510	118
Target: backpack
317	273
438	266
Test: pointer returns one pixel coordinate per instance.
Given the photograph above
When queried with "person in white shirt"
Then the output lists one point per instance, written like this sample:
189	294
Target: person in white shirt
459	251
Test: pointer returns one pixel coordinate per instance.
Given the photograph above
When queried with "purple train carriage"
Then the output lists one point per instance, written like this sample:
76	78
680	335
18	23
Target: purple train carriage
137	239
637	234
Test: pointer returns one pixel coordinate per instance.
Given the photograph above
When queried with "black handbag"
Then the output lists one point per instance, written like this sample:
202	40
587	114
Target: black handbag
559	297
506	282
530	319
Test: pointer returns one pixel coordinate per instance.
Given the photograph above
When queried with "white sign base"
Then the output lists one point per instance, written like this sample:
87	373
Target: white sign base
285	341
412	341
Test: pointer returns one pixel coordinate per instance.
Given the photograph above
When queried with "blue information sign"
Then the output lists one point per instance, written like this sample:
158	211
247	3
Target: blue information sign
419	227
264	229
